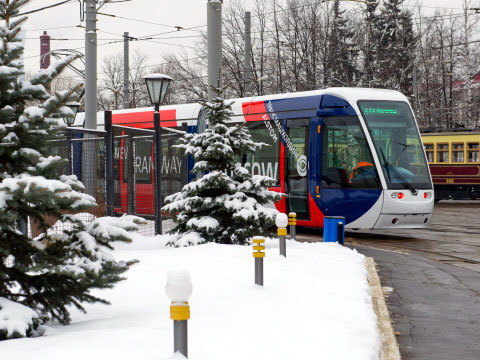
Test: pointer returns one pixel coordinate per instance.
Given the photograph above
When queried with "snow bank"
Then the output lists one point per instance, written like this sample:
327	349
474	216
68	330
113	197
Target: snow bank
15	318
315	304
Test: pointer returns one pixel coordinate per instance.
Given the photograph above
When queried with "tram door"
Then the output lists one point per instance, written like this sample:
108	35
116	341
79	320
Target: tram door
296	168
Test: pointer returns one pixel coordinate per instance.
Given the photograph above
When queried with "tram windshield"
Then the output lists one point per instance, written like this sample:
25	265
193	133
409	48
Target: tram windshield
397	142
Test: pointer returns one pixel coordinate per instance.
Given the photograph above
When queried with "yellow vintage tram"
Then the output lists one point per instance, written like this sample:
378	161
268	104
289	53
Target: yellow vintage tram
454	159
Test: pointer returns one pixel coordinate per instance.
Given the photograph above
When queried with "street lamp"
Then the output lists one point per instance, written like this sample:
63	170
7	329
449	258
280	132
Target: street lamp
157	85
74	106
70	120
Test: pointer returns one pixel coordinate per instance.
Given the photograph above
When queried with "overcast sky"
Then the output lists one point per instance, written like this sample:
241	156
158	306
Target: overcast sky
140	18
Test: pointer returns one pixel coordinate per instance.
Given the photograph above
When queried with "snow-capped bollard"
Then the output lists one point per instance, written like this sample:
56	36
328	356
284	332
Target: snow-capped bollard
178	289
281	221
292	221
258	254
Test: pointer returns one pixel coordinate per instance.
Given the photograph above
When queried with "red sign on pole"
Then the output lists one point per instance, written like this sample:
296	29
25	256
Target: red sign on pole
44	51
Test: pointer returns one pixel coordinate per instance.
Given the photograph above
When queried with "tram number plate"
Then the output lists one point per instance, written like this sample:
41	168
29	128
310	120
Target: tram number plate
449	181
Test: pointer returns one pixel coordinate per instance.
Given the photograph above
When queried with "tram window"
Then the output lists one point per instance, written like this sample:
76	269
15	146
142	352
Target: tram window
473	152
346	158
429	150
264	161
413	154
458	154
442	153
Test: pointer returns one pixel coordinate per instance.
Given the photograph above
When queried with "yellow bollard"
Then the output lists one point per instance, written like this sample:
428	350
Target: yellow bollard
292	221
180	311
258	254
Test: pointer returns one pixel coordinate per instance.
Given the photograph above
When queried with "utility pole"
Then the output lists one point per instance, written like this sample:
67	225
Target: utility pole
248	55
91	65
89	149
214	39
126	74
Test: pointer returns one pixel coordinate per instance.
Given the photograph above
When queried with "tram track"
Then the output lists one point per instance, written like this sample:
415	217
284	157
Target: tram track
409	237
457	258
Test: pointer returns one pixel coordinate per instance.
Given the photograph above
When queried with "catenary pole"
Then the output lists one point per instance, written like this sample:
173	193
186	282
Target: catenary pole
214	39
90	65
126	74
248	55
89	151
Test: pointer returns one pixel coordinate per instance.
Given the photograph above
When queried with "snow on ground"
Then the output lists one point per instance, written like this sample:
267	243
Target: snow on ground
315	304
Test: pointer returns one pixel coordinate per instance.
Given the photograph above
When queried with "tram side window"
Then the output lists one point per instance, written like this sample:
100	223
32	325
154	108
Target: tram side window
264	161
429	150
442	153
458	154
473	152
346	158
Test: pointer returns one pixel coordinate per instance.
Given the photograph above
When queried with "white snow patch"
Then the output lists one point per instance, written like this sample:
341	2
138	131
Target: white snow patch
15	317
204	222
315	303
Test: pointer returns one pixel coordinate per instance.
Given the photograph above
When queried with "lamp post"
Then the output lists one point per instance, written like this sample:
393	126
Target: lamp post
70	120
157	86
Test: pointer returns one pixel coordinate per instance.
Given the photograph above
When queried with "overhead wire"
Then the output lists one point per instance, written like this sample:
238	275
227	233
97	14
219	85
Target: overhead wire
45	8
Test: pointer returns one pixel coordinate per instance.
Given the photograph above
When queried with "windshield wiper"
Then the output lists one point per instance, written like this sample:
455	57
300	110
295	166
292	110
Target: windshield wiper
403	181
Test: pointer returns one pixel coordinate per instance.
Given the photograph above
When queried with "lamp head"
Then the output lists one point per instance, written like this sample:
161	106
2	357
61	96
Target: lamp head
281	220
74	106
179	285
157	85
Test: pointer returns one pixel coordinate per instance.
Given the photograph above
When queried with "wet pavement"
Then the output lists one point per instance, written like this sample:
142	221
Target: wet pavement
433	279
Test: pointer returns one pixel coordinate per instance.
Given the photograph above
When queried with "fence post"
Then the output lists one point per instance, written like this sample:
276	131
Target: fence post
68	135
109	183
131	195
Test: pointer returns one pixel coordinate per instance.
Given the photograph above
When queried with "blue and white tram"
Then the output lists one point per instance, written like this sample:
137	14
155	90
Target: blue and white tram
343	152
348	152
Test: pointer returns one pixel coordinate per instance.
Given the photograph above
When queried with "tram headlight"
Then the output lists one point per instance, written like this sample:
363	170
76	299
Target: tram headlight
397	195
427	195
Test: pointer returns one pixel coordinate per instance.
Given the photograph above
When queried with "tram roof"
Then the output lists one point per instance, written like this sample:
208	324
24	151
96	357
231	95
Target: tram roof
190	112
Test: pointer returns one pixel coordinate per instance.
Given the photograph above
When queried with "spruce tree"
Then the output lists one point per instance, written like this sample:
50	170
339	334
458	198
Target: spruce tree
40	277
370	62
226	204
343	71
395	46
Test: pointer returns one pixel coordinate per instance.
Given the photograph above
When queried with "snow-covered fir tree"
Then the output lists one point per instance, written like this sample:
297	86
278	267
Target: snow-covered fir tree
370	65
343	71
226	204
40	277
395	42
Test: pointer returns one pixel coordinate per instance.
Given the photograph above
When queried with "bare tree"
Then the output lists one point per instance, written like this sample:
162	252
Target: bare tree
138	92
110	89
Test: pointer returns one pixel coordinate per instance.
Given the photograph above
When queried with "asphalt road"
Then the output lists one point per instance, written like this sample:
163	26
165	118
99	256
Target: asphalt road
433	279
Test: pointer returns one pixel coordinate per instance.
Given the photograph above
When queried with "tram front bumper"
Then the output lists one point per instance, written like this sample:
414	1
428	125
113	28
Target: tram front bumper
409	211
402	221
